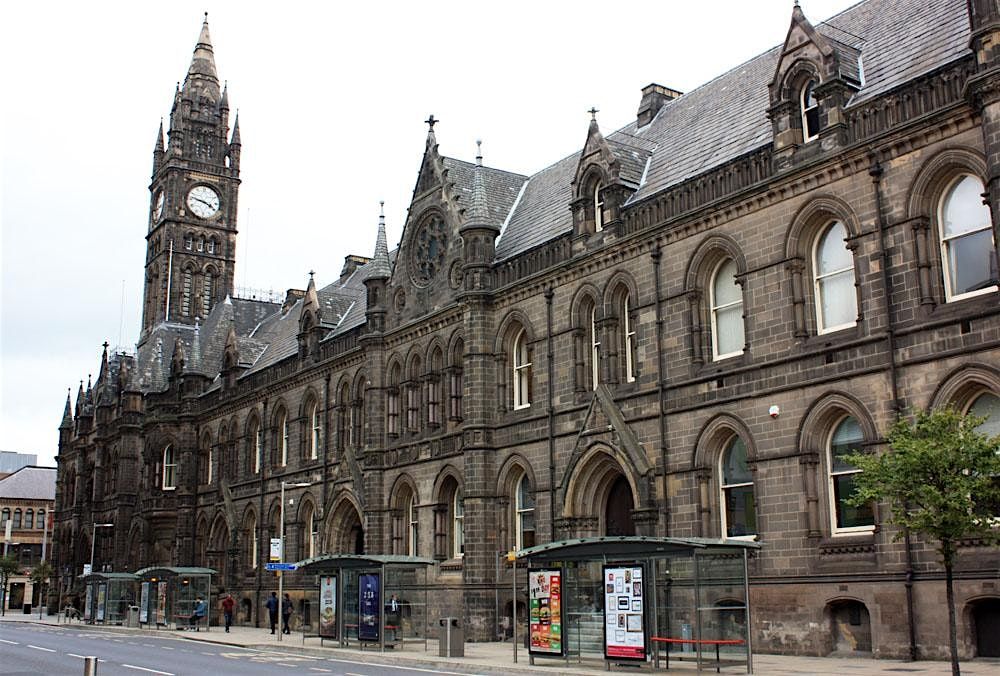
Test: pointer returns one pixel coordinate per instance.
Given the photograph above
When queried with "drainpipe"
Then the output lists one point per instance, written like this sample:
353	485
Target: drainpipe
661	389
264	433
876	171
326	440
549	293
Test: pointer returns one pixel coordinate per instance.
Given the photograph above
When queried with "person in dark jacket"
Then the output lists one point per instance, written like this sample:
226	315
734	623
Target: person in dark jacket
200	611
272	610
286	614
228	603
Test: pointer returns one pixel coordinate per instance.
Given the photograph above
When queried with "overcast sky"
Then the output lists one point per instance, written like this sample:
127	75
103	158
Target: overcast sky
332	99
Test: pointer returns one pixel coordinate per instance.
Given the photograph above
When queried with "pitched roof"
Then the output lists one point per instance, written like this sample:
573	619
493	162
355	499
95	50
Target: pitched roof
30	483
727	117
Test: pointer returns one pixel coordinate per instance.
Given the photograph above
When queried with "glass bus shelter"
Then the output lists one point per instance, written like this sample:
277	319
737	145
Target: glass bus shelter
375	600
108	597
634	599
168	595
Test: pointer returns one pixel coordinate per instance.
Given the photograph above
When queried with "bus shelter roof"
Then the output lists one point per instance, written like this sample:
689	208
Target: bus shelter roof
331	561
171	571
628	546
102	577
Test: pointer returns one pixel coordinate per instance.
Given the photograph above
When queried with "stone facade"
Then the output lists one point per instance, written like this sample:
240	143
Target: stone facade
656	336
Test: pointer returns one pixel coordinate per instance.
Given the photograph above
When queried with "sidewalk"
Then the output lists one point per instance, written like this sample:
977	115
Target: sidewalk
497	658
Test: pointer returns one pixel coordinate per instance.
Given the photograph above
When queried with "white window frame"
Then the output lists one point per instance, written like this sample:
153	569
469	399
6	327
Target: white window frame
254	549
946	270
804	112
187	280
598	209
314	436
521	512
715	309
819	278
830	474
723	487
283	439
169	472
258	447
595	350
629	333
206	293
521	370
209	472
457	525
412	525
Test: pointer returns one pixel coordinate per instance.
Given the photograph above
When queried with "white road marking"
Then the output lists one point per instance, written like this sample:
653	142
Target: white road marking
325	671
166	647
212	654
152	671
149	645
38	647
405	668
9	642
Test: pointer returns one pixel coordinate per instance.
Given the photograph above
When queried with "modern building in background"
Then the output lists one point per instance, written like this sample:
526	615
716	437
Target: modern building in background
27	501
10	462
678	330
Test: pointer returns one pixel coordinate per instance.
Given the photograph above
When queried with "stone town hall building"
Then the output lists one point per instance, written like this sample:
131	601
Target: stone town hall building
592	349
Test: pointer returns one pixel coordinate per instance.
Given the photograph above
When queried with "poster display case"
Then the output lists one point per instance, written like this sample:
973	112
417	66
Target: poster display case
624	611
545	611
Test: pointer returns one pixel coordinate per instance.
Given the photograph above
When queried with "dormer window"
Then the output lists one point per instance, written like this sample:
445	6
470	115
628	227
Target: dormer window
810	112
598	209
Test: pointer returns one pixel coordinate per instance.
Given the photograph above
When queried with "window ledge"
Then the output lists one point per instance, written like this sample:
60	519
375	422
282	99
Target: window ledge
852	543
451	565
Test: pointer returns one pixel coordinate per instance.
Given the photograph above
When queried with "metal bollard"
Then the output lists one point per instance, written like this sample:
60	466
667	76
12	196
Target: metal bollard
90	666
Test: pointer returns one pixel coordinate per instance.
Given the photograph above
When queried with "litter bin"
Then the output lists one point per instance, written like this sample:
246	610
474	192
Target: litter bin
27	608
132	617
451	638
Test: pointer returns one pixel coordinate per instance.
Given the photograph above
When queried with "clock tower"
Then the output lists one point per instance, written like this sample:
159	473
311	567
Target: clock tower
191	239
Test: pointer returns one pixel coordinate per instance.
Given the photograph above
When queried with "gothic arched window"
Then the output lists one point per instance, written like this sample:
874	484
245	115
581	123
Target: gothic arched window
186	279
833	280
169	468
314	426
392	401
847	437
17	519
598	208
727	312
968	253
40	519
524	514
810	112
739	510
207	289
521	370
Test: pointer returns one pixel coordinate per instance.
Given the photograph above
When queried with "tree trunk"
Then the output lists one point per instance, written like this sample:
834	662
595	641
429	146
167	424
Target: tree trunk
952	629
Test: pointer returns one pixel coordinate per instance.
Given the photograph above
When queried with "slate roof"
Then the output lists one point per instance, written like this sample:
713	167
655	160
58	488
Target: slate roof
727	117
501	187
29	483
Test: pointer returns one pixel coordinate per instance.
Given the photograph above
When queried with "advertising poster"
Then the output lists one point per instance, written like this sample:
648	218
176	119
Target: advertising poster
144	603
624	612
102	593
88	603
545	612
369	605
328	606
161	602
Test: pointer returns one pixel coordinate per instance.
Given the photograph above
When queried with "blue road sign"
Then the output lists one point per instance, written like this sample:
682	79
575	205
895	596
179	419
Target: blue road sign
281	566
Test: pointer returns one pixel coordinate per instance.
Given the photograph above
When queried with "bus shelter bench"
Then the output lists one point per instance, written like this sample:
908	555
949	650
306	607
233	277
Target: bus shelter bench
351	631
657	640
183	623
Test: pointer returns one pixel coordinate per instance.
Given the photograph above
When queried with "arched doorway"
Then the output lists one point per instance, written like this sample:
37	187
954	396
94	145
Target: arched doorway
346	533
986	627
618	508
218	546
850	628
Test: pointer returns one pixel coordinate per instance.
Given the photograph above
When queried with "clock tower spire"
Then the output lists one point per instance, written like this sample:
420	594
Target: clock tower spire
191	239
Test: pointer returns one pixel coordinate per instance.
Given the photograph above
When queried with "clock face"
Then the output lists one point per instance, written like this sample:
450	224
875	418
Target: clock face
158	206
428	251
203	201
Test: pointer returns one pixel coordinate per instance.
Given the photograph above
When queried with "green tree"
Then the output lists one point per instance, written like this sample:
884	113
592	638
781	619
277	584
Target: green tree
8	566
941	480
40	575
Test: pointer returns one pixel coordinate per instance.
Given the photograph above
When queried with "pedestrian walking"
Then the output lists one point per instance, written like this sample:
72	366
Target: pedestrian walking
227	610
286	614
200	611
272	610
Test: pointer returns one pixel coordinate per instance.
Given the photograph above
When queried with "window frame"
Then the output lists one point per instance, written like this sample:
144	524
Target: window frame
835	529
595	350
521	370
412	524
282	433
807	90
521	512
457	524
40	519
628	332
725	487
314	436
168	474
598	208
715	309
943	240
818	278
17	523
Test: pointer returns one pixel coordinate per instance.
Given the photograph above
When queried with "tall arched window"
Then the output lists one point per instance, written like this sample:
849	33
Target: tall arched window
29	518
458	525
283	439
314	420
846	437
413	397
310	527
392	401
434	388
17	519
987	405
739	510
169	468
207	289
186	279
524	514
413	525
833	280
628	333
211	245
40	519
967	248
521	371
810	112
595	349
727	312
598	208
456	383
4	515
188	242
250	538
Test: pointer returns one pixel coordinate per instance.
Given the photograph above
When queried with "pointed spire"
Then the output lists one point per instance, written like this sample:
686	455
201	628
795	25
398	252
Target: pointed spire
311	300
378	267
202	71
67	419
236	130
79	400
225	96
88	399
103	373
478	212
158	148
431	139
195	363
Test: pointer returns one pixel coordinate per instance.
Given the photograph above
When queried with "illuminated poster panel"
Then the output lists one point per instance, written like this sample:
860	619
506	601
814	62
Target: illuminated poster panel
369	604
328	606
144	603
545	612
624	608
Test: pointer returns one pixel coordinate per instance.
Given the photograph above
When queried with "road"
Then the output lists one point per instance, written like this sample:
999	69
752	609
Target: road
30	650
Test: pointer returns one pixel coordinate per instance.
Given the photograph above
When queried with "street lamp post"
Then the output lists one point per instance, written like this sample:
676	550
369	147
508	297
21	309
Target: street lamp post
93	540
281	538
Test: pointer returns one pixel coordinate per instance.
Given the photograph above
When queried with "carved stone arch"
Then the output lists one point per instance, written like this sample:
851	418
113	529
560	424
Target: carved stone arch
436	344
250	511
403	482
593	175
394	363
343	390
360	384
795	77
586	295
277	409
306	498
580	470
827	410
137	544
963	383
345	526
714	434
509	327
603	494
309	396
456	347
936	175
707	255
813	215
515	466
210	269
619	283
448	471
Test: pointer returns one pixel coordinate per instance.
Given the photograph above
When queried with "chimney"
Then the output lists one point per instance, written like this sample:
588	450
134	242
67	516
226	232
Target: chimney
292	296
654	97
351	263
